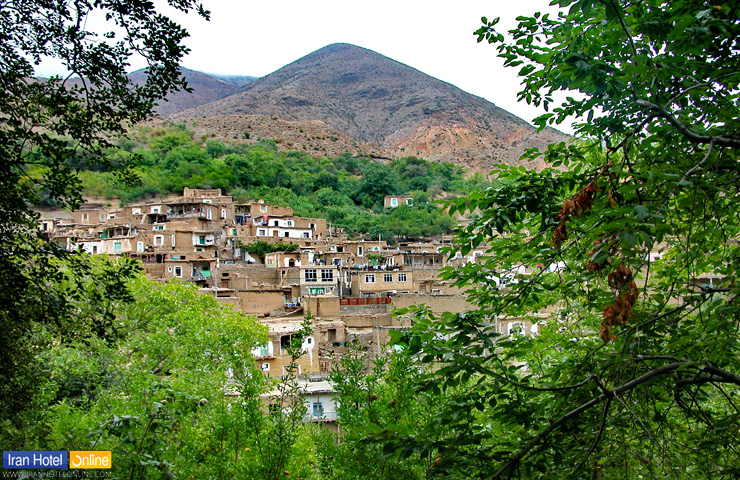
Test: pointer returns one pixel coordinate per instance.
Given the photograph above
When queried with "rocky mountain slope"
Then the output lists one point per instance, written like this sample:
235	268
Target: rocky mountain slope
206	89
378	101
314	137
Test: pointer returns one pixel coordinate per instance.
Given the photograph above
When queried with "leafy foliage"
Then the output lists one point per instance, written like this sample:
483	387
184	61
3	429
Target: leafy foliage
371	402
49	130
156	396
261	248
624	255
344	190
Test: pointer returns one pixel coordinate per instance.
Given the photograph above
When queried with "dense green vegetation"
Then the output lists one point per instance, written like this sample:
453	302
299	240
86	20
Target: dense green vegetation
635	370
170	386
164	377
632	255
49	131
346	190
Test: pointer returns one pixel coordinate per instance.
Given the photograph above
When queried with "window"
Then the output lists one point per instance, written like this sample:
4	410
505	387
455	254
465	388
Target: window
359	251
369	278
158	227
172	237
178	271
154	210
158	240
95	249
265	367
263	208
84	217
139	246
410	202
117	247
515	328
394	202
387	277
201	240
209	214
265	350
327	275
312	226
223	213
290	223
310	275
275	223
261	232
318	410
402	277
287	234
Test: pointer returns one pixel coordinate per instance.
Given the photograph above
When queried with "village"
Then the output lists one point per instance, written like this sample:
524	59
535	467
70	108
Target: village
348	287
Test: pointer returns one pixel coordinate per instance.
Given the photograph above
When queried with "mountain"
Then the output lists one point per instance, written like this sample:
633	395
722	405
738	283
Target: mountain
238	80
206	88
376	100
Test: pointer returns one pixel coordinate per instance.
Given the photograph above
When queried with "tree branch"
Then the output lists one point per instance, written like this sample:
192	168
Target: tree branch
685	131
728	377
665	369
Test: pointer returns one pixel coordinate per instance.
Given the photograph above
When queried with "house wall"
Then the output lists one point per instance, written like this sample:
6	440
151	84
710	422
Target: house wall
312	278
364	320
322	306
89	216
308	362
232	302
260	302
364	309
400	200
361	285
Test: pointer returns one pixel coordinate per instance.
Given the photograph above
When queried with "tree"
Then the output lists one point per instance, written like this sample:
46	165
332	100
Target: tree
370	401
630	245
377	180
156	394
49	130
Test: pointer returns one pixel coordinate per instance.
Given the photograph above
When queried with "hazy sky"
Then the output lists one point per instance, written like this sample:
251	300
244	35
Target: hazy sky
435	37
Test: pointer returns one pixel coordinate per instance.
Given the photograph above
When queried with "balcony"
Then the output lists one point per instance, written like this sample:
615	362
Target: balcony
325	417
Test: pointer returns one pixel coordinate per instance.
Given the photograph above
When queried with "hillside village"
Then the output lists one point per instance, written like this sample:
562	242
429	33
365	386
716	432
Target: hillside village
348	286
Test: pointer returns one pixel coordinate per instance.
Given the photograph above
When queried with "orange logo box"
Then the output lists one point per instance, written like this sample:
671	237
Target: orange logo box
93	459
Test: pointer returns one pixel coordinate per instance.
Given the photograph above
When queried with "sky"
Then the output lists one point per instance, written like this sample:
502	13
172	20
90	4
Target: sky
435	37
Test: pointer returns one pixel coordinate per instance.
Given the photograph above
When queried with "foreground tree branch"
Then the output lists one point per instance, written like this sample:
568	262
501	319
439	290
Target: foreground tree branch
586	406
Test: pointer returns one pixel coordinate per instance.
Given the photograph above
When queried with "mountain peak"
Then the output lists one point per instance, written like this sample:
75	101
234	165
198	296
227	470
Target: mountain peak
397	108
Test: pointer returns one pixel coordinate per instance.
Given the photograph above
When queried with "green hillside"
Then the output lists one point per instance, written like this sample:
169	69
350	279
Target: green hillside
346	190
